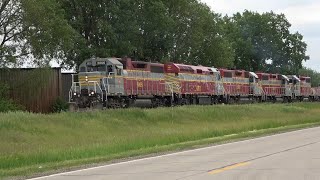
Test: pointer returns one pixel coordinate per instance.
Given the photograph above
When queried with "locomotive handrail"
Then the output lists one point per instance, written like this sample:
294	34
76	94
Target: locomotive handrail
262	90
74	86
170	85
104	84
108	85
97	84
73	89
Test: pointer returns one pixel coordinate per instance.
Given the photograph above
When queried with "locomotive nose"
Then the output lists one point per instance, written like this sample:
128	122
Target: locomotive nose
84	91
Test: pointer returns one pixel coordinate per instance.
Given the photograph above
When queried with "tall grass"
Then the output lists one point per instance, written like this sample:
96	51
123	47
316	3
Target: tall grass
32	143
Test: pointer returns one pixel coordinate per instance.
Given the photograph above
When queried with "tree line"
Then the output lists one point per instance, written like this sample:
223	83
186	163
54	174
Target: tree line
182	31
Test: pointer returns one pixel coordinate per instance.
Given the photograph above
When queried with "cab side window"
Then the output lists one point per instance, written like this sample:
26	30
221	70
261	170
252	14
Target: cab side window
82	69
118	71
251	79
109	69
219	77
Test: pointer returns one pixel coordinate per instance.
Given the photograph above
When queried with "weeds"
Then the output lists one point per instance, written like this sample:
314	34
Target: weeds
29	141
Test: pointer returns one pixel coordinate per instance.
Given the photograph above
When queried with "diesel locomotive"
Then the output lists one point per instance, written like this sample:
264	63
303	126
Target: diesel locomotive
119	82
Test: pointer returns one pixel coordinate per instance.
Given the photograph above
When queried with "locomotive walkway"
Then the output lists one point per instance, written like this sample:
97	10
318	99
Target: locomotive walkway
293	155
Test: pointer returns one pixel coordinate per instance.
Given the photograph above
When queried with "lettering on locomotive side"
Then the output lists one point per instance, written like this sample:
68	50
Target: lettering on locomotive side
198	88
140	84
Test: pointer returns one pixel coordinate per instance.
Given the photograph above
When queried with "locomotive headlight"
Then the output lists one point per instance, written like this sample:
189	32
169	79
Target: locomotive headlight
92	93
74	94
87	78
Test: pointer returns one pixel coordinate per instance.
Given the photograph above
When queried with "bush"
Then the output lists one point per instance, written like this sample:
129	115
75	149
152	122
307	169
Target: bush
5	103
4	91
9	105
60	105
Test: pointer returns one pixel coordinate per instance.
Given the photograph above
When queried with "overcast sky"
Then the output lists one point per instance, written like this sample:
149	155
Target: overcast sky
304	15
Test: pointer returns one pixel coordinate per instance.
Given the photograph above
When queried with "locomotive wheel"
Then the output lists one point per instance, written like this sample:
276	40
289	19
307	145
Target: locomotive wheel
154	103
231	100
255	100
237	99
300	99
212	100
168	102
251	99
311	99
157	102
215	100
183	101
225	100
197	100
127	103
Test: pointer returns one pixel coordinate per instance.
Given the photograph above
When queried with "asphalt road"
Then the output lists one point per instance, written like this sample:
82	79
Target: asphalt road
294	155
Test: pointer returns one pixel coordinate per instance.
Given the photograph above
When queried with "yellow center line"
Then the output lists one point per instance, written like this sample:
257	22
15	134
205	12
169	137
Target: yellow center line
216	171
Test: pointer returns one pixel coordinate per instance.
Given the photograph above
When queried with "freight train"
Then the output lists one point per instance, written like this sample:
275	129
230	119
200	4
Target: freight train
119	82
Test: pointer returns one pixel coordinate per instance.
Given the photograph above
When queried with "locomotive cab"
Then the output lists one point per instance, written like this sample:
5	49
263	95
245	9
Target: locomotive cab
255	88
306	90
218	79
295	84
287	90
97	78
86	88
114	77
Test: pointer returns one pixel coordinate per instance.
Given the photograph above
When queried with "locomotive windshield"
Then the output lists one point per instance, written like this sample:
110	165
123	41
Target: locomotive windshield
96	68
93	66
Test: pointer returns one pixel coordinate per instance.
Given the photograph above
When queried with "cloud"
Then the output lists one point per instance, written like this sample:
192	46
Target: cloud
303	14
298	12
313	51
232	6
310	30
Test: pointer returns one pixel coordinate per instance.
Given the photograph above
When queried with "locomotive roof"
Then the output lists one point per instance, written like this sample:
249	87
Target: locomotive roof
156	64
192	68
215	70
253	74
305	77
285	77
296	78
232	70
114	61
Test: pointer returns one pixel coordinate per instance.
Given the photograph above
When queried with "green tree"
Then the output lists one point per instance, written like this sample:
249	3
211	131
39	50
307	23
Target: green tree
11	32
197	35
106	28
32	29
184	31
259	38
315	76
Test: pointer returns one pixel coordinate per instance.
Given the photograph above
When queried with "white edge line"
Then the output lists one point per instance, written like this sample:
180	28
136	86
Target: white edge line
172	154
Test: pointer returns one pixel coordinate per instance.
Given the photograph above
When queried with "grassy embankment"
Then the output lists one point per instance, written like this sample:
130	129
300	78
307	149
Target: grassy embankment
33	143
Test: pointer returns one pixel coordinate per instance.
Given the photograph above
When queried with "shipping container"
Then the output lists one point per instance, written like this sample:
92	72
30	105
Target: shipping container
35	89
